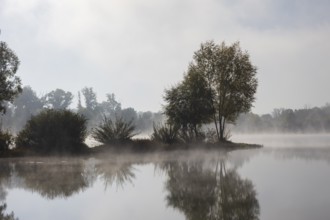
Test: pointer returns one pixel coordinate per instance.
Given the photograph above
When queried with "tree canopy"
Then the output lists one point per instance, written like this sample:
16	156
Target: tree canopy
58	99
231	77
10	84
221	83
189	103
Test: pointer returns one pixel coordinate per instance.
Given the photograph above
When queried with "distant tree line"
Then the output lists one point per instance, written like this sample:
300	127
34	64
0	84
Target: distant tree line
306	120
28	104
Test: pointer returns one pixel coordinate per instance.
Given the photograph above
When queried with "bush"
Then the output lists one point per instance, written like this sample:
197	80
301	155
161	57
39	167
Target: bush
113	132
167	134
54	131
6	139
188	136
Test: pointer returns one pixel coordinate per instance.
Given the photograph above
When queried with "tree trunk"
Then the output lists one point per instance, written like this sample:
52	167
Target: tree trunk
216	126
222	122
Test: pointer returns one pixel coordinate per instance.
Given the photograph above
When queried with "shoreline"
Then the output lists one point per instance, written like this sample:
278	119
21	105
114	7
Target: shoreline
138	147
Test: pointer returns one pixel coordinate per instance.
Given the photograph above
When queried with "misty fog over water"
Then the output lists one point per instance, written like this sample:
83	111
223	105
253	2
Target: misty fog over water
285	140
287	179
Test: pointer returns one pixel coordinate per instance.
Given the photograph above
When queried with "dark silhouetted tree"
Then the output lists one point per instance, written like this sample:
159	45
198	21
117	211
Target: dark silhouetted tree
232	79
189	104
10	84
54	131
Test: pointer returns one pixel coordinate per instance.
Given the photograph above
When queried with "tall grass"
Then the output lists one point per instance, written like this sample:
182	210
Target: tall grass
167	134
113	131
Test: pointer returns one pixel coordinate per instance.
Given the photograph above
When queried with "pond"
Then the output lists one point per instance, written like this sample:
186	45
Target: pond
288	181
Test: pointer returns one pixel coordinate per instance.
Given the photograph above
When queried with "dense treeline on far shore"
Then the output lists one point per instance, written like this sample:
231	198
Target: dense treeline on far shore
305	120
28	104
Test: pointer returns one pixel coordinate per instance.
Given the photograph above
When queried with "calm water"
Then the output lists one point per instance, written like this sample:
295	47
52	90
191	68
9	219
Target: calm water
288	181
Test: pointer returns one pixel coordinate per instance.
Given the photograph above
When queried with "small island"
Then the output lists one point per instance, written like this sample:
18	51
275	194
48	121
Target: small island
219	85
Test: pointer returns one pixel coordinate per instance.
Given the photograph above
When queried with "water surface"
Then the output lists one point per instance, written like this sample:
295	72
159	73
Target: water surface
286	182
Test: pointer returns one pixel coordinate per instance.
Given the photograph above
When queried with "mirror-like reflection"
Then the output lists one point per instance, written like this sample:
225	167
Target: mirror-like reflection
4	216
210	193
52	180
199	188
115	173
179	185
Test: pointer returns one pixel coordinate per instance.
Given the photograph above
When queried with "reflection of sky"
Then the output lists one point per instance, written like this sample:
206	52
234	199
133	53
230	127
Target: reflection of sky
141	200
291	183
284	140
290	188
137	48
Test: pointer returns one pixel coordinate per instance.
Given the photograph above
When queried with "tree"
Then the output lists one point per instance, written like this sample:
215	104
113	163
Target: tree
90	98
230	77
189	103
10	85
25	105
111	107
54	131
129	115
58	99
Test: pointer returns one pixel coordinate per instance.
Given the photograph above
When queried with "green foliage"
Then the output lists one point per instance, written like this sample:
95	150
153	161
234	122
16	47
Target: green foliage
231	77
220	84
54	131
167	134
9	83
192	136
189	104
113	132
6	139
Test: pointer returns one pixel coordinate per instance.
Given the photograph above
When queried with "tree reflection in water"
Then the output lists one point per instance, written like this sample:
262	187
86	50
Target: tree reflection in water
4	216
52	180
5	173
203	188
201	192
61	179
117	173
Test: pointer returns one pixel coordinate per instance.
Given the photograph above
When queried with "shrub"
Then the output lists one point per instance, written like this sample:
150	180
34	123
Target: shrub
54	131
167	134
6	139
113	132
189	136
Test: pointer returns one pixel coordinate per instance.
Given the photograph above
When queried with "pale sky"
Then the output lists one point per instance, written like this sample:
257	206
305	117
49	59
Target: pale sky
137	48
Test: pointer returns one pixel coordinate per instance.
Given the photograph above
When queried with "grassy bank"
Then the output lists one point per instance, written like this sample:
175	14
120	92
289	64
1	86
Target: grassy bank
138	146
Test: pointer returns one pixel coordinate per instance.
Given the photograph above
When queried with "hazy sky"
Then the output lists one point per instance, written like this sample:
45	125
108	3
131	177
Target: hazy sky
137	48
